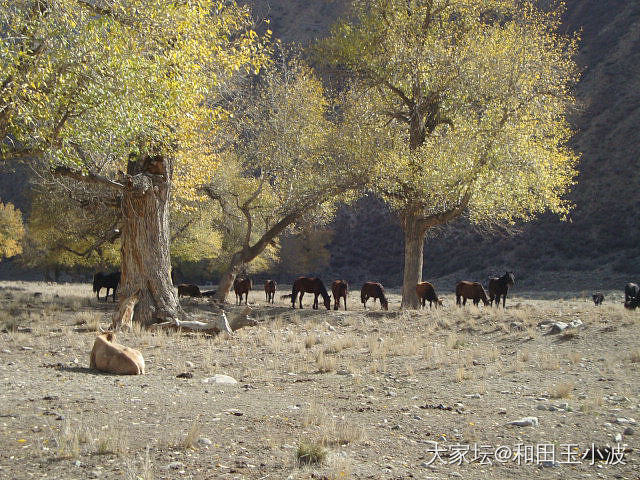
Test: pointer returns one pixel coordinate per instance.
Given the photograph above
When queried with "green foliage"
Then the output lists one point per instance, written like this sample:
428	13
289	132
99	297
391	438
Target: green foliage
71	227
466	103
288	170
85	85
11	231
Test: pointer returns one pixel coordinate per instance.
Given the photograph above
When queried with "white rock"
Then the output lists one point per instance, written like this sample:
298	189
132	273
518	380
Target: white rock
189	364
525	422
623	420
175	465
219	378
204	441
617	437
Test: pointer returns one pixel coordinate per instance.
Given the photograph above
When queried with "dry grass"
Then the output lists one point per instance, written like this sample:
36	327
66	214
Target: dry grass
325	363
67	441
190	441
142	472
562	390
310	453
338	345
111	441
311	340
340	432
454	342
462	374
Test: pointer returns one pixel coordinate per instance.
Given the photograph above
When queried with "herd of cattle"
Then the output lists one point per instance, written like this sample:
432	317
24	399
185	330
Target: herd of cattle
498	288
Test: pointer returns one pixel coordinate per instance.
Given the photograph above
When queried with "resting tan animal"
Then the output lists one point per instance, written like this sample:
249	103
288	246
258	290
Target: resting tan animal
111	357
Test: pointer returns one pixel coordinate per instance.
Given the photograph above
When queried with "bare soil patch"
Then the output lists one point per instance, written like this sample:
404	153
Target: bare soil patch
320	394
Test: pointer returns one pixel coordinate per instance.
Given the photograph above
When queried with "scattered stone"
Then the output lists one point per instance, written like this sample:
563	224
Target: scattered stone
390	393
77	463
416	417
629	431
175	466
557	327
617	437
185	375
525	422
518	326
204	441
26	348
343	371
542	406
575	323
502	411
549	463
37	294
50	397
396	427
473	395
219	378
189	364
623	421
95	474
6	350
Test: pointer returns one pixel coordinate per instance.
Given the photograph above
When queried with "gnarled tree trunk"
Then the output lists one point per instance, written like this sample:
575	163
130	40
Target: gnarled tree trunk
248	253
146	263
414	233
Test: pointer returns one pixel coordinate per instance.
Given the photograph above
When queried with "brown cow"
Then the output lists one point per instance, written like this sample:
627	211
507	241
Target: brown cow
339	288
373	290
109	356
425	291
242	287
473	290
270	290
188	290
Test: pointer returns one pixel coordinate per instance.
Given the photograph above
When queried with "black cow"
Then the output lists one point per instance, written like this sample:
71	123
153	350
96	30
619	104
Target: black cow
631	300
106	280
598	298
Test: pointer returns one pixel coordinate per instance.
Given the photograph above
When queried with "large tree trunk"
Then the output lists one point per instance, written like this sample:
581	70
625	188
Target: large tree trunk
248	254
146	264
226	282
414	233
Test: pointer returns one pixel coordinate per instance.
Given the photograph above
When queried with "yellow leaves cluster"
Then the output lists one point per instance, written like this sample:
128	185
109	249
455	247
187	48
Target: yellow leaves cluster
85	83
11	230
501	76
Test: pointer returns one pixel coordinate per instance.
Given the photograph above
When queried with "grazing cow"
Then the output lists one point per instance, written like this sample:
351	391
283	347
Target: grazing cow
313	285
631	298
598	298
109	356
426	292
498	287
373	290
106	280
270	290
631	291
339	289
473	290
188	290
242	287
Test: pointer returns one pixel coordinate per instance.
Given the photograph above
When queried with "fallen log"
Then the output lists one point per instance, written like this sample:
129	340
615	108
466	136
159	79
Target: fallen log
222	324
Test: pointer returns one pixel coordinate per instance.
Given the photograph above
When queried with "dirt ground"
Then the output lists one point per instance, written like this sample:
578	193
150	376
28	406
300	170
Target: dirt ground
366	394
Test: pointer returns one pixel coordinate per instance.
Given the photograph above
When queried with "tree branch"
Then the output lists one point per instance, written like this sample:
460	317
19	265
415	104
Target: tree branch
89	177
